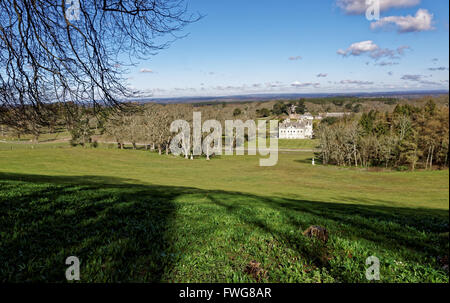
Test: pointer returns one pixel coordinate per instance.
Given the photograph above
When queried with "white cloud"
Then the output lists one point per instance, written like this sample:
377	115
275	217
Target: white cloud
441	68
429	82
305	84
356	7
383	52
356	82
274	84
401	49
422	21
386	63
359	48
146	70
419	79
412	77
374	51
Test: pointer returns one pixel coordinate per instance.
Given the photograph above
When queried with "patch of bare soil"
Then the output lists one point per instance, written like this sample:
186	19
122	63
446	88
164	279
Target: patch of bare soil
255	270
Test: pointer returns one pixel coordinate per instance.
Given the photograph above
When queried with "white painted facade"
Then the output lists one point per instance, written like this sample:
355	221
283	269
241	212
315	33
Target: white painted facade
302	129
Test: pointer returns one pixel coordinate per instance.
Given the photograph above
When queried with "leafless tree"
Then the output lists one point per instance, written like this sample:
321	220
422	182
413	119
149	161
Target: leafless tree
52	51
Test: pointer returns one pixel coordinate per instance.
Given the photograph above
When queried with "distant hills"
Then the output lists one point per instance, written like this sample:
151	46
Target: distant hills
266	97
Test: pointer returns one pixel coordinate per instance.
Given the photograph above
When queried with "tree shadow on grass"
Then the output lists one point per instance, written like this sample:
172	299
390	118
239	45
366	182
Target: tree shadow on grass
391	228
123	231
307	160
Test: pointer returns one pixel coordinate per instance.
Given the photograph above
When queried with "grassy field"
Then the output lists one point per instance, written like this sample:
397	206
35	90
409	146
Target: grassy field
65	136
137	216
45	137
308	144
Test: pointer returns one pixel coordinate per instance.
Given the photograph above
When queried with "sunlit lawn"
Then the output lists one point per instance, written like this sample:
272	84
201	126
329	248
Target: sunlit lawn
137	216
306	144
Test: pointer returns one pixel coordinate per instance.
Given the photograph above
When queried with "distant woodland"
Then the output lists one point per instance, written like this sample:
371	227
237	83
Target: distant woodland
379	132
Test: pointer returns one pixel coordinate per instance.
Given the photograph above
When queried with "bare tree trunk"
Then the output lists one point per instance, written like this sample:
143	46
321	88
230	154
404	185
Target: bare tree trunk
167	146
431	158
446	157
414	161
186	156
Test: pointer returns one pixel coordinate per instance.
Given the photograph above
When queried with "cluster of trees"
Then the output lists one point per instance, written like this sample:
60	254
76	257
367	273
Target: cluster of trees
146	124
149	125
291	107
356	108
19	121
80	119
336	104
409	136
82	122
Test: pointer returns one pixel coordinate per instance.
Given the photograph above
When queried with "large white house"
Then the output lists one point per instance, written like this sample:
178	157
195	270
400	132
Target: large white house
301	129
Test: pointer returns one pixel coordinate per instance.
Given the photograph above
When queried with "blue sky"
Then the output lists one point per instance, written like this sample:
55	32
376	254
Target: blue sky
244	47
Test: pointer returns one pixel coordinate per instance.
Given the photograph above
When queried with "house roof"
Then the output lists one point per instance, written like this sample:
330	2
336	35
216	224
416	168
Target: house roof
298	124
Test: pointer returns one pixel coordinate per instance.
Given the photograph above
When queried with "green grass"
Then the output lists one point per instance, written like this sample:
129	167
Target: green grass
28	146
298	143
44	137
137	216
308	144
